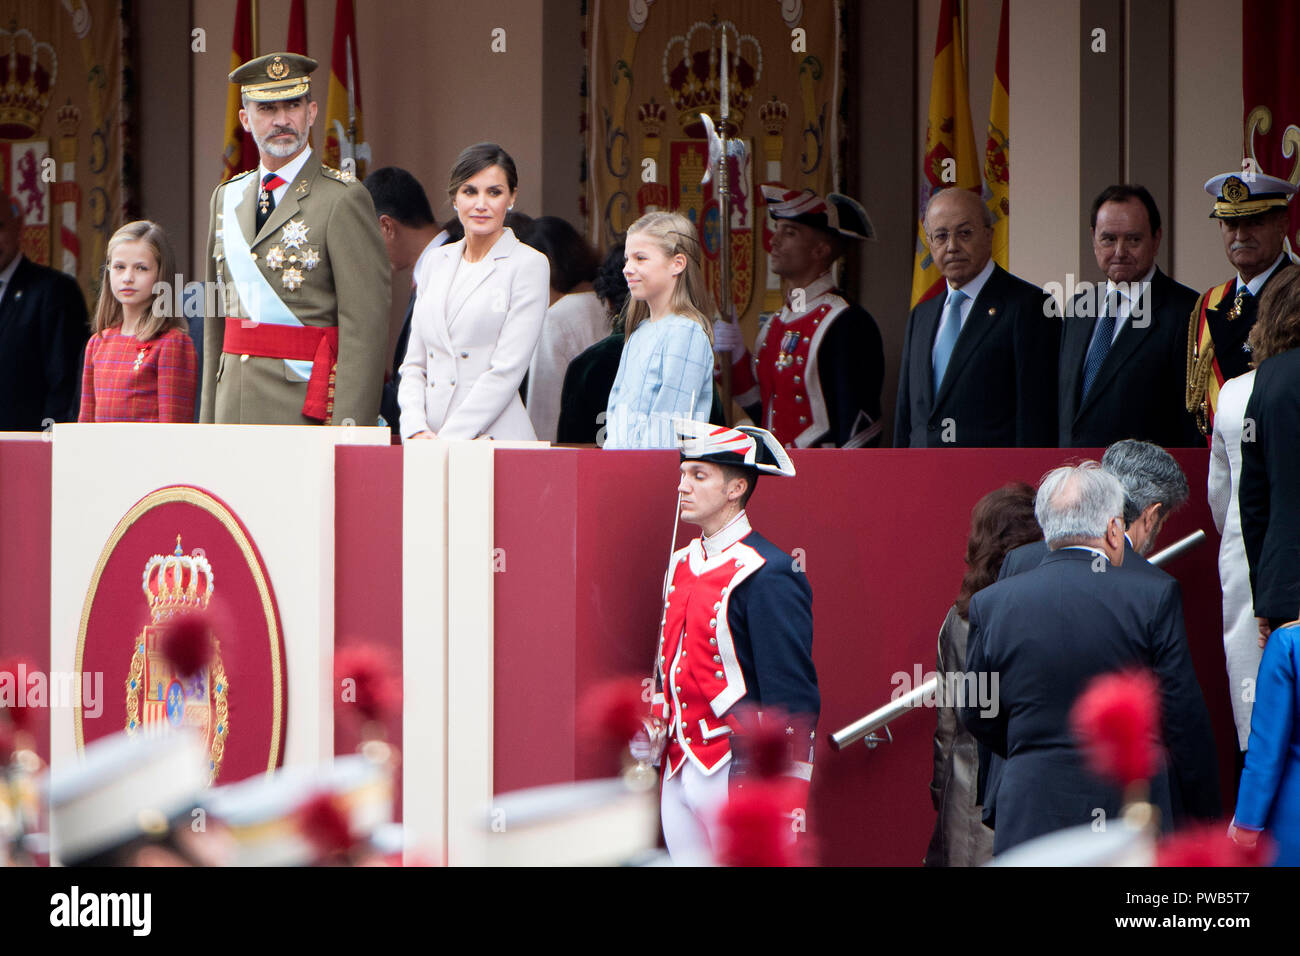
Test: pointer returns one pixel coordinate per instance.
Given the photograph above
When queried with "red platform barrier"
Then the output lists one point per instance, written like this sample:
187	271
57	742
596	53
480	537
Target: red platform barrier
585	534
25	469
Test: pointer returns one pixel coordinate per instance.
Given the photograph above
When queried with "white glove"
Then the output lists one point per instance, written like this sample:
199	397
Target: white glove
728	340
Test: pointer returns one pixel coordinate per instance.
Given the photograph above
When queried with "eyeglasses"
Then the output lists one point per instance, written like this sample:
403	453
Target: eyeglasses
942	236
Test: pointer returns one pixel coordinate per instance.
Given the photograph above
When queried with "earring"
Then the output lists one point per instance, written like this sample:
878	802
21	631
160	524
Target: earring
510	207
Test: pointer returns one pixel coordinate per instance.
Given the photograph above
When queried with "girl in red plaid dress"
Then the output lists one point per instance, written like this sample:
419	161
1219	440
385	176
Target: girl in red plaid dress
140	362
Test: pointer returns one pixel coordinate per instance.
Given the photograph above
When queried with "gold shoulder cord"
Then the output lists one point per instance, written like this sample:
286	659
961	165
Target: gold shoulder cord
1200	366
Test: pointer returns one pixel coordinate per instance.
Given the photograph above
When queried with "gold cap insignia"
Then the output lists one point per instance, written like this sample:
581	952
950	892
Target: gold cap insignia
1234	190
277	69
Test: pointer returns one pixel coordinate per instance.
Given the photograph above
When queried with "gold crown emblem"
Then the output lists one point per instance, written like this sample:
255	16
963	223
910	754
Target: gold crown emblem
277	69
653	117
691	71
176	583
1234	190
27	76
773	115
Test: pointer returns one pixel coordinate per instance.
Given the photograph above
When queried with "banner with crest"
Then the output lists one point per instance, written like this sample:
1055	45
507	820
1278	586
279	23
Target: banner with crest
64	95
654	65
1271	101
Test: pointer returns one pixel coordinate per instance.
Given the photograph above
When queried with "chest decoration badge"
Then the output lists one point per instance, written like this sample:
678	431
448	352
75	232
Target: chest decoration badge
789	342
292	255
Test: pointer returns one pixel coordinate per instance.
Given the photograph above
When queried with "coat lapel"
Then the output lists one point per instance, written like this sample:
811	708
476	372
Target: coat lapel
500	250
1124	347
299	189
434	299
246	211
985	312
927	327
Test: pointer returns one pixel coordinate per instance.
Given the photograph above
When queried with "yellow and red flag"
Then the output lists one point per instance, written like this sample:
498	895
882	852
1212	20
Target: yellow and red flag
950	157
997	152
345	147
239	152
296	41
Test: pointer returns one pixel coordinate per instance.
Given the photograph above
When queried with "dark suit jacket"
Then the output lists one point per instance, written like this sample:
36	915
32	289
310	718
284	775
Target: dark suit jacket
1140	388
1000	386
1269	495
1230	335
1046	633
388	404
43	329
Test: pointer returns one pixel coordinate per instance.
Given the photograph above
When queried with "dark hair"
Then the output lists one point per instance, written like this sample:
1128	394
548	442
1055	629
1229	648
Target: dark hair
399	195
474	159
1123	194
611	286
455	229
1277	328
520	222
572	259
739	471
1000	521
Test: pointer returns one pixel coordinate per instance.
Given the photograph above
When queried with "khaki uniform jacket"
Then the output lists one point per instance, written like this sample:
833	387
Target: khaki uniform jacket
347	285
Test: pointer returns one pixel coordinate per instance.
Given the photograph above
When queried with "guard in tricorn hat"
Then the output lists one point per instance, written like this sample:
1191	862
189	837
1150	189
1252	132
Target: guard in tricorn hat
736	634
818	364
1253	214
301	321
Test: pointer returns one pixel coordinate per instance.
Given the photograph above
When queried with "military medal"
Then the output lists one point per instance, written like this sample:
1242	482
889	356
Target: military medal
294	234
789	342
1235	311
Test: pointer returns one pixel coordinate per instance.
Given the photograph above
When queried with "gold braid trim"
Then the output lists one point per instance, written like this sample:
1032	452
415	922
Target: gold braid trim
1200	366
329	395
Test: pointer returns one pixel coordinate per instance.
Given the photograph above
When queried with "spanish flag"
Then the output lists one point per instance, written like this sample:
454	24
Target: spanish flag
950	157
239	153
997	152
343	136
296	41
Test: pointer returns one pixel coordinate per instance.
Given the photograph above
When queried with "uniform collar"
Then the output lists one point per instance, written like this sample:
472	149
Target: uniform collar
734	530
289	171
1257	283
820	286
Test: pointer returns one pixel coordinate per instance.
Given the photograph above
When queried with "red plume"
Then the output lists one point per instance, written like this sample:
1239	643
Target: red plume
1209	845
375	691
1117	720
187	643
762	744
756	827
610	713
325	825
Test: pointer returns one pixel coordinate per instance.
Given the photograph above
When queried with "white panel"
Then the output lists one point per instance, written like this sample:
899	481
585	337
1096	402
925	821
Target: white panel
469	650
278	480
424	648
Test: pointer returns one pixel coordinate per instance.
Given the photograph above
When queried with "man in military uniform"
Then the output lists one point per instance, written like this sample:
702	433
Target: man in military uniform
301	321
1253	215
737	632
818	364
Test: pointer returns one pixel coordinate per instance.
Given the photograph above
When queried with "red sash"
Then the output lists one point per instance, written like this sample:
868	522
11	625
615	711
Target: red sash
311	343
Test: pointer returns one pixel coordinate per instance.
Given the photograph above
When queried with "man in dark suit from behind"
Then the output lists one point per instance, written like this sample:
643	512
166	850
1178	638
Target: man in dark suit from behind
43	328
979	361
1154	488
410	231
1043	635
1124	345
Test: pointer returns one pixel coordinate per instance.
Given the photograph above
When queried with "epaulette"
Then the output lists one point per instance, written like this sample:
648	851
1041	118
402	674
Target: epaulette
341	175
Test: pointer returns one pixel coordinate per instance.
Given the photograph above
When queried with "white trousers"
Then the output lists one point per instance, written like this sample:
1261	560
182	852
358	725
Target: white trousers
688	809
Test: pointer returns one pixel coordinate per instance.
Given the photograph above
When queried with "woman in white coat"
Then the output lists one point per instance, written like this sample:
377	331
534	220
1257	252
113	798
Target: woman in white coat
478	314
1240	633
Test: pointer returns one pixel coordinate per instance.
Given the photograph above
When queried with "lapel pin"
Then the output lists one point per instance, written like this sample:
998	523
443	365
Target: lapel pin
993	310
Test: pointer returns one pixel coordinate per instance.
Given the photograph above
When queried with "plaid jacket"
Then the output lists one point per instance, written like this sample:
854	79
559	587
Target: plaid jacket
130	381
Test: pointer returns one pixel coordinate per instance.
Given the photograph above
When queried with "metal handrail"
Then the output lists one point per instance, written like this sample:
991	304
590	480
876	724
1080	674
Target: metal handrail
864	728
